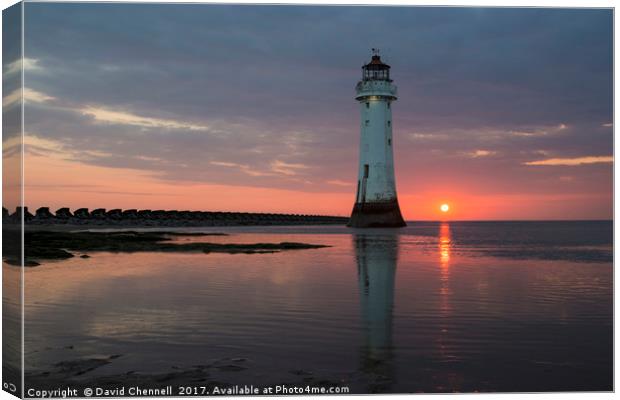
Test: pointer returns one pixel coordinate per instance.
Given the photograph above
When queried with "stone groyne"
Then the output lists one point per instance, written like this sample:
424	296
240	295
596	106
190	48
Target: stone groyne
172	218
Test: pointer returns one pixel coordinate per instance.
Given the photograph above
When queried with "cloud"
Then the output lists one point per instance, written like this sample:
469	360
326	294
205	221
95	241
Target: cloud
37	145
29	64
277	167
428	136
29	95
482	153
573	161
246	169
339	183
40	146
13	98
254	172
37	97
489	133
540	131
148	158
108	116
227	164
284	168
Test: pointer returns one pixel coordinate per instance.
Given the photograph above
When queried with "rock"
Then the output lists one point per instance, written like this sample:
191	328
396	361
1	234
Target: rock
197	215
130	214
159	214
171	214
173	218
116	214
63	213
81	213
98	213
18	214
43	213
145	214
185	215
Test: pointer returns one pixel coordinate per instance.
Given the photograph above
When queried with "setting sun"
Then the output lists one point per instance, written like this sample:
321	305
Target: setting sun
444	208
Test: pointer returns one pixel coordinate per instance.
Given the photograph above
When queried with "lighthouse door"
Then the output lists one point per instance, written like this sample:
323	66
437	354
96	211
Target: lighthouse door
364	180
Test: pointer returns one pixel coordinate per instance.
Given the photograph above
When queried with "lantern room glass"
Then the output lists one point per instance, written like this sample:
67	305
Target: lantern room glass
374	71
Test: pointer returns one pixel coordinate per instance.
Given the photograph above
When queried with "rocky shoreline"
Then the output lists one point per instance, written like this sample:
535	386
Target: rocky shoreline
43	245
155	218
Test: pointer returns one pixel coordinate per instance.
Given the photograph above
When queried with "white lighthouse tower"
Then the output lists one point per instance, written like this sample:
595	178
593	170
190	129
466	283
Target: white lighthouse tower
376	204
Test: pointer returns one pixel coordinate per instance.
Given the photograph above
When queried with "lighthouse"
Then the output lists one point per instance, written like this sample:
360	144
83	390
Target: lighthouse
376	204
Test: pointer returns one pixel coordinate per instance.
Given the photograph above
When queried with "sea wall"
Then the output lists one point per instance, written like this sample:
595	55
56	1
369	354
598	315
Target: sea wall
133	217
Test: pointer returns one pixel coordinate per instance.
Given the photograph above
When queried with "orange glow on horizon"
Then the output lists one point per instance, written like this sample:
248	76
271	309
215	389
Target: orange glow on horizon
55	182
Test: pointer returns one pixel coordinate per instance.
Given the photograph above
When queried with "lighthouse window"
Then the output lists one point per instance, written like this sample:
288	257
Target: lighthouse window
389	123
388	104
389	141
366	170
367	105
367	122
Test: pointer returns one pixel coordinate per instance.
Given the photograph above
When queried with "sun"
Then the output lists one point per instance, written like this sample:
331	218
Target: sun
444	208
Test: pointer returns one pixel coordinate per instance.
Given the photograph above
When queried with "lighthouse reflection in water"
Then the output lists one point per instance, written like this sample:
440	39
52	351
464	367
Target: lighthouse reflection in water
377	257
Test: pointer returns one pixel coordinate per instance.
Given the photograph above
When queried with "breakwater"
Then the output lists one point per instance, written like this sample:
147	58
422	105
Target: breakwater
172	218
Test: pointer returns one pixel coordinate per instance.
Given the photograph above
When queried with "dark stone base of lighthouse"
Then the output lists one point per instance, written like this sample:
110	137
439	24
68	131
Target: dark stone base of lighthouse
376	215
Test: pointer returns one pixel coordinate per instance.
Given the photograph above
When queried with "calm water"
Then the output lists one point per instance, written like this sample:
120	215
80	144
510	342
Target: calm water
434	307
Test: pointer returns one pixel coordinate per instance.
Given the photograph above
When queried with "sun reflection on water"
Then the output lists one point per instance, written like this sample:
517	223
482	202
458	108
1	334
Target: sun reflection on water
444	261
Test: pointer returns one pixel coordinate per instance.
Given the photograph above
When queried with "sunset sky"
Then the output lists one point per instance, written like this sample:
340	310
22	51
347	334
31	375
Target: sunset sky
502	113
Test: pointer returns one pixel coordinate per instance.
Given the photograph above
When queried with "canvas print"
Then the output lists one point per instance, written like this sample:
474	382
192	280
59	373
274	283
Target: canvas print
227	199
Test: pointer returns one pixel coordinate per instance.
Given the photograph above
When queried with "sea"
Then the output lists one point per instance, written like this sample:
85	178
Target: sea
433	307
